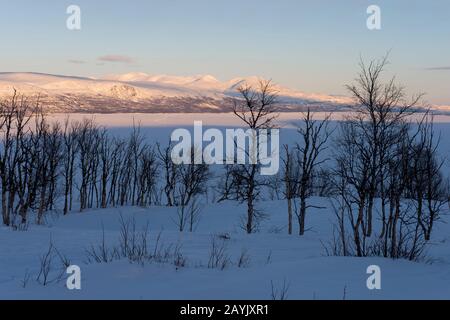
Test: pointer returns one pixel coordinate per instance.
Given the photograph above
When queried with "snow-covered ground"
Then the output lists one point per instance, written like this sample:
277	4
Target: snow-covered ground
273	258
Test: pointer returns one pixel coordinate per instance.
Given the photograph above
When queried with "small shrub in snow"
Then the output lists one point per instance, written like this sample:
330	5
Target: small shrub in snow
132	243
280	293
47	269
45	266
134	246
218	254
26	279
180	261
65	261
102	253
244	259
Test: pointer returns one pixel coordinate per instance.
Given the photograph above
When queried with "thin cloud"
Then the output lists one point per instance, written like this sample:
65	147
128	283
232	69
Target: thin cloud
74	61
439	68
116	59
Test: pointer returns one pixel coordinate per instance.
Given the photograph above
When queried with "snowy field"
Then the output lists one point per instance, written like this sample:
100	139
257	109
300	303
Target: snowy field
270	260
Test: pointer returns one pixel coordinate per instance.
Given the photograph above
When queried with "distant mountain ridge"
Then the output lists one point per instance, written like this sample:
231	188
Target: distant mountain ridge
139	92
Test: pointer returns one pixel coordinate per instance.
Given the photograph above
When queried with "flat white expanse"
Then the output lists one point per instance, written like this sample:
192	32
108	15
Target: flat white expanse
274	256
187	119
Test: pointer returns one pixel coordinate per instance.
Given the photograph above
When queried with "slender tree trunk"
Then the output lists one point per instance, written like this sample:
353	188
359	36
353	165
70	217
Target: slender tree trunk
250	213
66	196
394	229
302	217
250	201
5	212
289	201
42	204
104	186
369	216
359	223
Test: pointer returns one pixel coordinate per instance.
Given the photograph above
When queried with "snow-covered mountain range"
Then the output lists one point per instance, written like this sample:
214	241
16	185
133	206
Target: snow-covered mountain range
140	92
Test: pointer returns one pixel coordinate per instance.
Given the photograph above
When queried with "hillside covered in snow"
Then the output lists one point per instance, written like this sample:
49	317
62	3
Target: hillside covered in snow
140	92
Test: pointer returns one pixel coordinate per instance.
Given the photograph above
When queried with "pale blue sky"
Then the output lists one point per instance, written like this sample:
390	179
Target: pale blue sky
313	46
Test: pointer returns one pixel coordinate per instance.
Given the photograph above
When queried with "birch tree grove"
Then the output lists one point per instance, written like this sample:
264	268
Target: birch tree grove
381	155
42	161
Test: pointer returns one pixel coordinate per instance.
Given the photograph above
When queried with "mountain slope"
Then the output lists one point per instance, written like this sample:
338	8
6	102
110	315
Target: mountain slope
140	92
